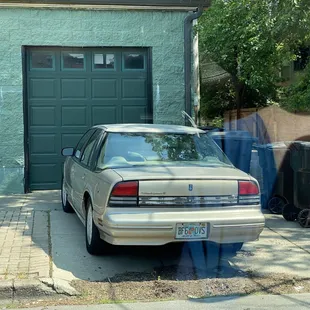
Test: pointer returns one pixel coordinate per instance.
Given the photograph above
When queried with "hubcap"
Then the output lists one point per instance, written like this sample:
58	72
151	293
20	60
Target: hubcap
304	218
64	194
276	205
89	224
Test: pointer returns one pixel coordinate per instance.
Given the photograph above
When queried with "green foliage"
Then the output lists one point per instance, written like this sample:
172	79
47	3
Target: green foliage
297	96
216	98
251	40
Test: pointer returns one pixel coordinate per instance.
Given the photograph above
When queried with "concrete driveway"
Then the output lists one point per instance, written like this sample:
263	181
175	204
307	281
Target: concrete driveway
46	242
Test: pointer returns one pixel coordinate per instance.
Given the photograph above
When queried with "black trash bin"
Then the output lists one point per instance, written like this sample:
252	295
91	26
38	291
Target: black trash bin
237	145
278	175
300	163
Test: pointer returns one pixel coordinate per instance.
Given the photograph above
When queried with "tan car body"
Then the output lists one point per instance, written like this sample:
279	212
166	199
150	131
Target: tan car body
154	221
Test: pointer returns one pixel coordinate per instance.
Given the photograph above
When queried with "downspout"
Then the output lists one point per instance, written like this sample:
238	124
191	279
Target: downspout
188	29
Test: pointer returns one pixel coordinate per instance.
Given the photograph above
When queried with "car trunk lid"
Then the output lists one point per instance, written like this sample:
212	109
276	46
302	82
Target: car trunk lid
185	186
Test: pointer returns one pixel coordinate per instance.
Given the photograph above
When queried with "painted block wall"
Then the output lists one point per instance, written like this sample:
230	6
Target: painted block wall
160	30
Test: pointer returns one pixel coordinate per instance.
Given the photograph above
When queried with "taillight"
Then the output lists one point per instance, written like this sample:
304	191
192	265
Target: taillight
124	194
248	193
248	188
125	189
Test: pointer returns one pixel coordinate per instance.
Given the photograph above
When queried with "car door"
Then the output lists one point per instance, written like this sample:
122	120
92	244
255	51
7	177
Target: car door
83	169
73	182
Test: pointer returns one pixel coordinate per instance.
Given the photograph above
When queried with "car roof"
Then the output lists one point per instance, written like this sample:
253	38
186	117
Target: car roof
150	128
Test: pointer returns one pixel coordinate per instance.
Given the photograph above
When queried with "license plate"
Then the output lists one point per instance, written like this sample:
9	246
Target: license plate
191	231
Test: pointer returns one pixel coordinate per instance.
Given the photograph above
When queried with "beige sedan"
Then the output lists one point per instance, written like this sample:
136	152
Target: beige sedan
155	184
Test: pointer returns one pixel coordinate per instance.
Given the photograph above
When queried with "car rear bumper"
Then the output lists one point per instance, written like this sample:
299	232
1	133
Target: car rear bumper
124	226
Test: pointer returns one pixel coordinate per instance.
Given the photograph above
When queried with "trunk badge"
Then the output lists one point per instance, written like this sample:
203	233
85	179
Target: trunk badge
190	187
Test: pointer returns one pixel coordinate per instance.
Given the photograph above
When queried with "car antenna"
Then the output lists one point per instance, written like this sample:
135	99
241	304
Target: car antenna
185	115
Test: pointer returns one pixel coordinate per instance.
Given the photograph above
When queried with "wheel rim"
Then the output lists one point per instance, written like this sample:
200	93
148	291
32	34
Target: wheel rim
89	224
276	205
64	194
303	218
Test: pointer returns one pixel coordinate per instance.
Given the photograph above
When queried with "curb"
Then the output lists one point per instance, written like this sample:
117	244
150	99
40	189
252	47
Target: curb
29	288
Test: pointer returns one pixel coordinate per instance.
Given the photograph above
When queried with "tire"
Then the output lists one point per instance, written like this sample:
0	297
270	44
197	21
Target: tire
276	204
290	212
304	218
94	244
66	206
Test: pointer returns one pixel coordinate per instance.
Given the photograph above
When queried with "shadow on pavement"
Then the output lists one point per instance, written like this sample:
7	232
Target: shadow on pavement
195	260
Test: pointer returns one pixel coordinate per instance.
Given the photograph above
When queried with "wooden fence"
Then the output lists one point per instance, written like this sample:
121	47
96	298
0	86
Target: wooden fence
270	124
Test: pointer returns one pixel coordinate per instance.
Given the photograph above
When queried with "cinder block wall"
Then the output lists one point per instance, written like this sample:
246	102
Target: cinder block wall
160	30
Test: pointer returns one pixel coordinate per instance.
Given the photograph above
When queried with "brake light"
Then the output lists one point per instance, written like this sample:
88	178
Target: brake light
125	189
248	188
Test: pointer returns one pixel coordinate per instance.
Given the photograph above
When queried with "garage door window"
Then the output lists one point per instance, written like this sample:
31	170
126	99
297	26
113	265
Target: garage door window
103	61
42	60
134	61
72	60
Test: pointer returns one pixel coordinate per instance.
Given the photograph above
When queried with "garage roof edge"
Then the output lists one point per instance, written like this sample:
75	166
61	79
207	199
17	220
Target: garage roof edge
176	4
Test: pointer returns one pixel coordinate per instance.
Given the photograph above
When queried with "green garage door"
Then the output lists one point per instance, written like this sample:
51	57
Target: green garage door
70	90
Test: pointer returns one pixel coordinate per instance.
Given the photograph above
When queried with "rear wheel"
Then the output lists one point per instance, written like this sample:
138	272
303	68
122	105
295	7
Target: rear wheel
66	206
304	218
290	212
94	244
276	204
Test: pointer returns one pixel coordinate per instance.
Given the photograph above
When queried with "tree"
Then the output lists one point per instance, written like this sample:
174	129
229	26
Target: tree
251	39
297	95
219	96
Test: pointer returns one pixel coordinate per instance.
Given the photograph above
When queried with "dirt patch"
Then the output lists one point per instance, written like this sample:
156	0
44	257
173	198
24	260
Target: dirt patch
142	290
170	283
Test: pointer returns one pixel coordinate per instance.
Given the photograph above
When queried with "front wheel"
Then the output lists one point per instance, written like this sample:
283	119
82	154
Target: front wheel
94	244
66	206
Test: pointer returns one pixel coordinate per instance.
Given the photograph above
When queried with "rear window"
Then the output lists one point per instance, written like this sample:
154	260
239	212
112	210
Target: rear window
127	149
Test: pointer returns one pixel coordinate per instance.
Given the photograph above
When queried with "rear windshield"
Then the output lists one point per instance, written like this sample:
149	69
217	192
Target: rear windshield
128	149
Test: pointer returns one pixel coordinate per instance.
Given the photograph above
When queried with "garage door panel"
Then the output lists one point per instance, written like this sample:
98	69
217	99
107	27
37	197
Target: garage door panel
42	116
43	144
104	88
133	114
70	139
104	115
73	88
74	116
45	176
42	88
134	88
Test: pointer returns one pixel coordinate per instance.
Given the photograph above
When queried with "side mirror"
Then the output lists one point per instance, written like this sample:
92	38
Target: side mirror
68	151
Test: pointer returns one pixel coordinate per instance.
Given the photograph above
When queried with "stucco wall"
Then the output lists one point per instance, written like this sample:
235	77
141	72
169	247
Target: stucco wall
163	31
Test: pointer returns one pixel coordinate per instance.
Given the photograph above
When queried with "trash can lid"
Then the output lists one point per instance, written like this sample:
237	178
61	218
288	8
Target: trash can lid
299	145
240	135
271	146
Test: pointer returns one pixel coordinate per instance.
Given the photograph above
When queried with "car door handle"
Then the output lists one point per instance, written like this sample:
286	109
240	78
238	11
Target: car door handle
83	177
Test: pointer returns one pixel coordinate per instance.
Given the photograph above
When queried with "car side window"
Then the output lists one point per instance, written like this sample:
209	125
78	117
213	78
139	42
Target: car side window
83	140
89	147
101	157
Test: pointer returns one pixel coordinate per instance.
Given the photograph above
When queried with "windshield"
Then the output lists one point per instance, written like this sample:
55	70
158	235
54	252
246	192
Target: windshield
160	149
